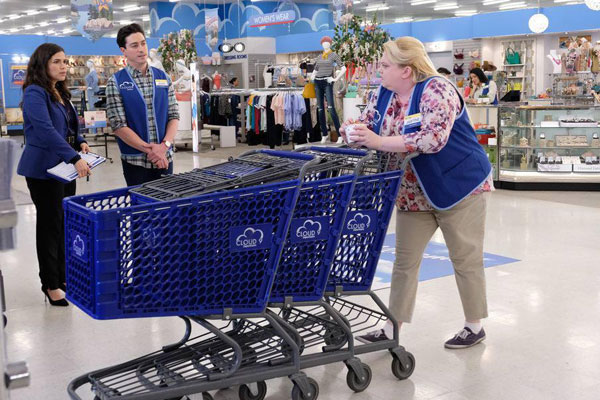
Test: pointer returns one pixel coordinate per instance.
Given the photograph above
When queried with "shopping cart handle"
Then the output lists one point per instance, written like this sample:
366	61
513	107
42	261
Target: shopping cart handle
288	154
407	159
334	150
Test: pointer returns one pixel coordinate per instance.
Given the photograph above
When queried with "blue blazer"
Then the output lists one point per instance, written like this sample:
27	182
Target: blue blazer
46	129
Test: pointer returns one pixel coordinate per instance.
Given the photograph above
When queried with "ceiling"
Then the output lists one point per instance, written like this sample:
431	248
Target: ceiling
52	17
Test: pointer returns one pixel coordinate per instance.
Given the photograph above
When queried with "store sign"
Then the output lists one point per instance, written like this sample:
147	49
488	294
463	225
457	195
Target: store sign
235	57
276	18
92	18
211	26
17	75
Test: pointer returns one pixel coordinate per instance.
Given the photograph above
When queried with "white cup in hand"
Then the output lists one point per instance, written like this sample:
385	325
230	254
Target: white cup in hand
350	131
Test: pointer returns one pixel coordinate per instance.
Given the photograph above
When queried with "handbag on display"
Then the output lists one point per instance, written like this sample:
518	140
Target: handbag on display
309	91
459	55
458	69
512	57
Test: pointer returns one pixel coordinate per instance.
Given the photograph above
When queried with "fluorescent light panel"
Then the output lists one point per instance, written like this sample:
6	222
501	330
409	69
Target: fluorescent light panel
465	13
62	20
445	6
404	19
33	12
132	7
490	2
510	6
420	2
380	8
54	7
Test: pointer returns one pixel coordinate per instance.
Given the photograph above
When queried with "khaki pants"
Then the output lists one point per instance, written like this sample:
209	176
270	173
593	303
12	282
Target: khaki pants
463	228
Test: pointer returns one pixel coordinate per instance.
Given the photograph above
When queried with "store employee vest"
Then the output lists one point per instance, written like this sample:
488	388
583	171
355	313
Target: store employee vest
453	173
485	91
136	111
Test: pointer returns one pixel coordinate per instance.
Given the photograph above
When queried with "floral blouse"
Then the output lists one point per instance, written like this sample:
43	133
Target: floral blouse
440	105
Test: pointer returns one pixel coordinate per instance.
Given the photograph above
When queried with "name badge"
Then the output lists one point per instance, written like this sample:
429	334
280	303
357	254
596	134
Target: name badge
161	83
412	121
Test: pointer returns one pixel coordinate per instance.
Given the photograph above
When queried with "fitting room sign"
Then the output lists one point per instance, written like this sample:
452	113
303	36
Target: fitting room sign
276	18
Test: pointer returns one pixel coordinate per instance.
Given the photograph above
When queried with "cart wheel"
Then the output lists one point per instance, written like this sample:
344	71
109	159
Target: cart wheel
212	147
246	393
355	383
401	372
333	336
207	396
314	391
111	393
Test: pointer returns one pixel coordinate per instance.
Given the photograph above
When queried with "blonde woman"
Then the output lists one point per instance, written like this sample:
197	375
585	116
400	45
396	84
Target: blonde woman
416	110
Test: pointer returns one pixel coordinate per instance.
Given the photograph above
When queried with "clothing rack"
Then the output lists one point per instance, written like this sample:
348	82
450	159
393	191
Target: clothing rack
243	94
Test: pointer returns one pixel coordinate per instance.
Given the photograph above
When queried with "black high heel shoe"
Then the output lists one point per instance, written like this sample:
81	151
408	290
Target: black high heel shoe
57	303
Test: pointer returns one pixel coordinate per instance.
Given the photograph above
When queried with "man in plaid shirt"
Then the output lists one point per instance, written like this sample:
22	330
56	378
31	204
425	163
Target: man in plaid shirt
142	111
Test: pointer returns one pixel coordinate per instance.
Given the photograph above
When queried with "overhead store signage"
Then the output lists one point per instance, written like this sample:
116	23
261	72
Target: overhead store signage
276	18
92	18
211	26
235	57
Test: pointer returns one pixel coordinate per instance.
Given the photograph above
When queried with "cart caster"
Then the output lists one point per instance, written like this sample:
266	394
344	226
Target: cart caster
253	393
111	393
212	147
313	393
354	381
207	396
401	371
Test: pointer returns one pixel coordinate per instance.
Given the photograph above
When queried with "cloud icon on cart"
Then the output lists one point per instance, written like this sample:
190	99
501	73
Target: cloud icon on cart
359	223
250	238
309	230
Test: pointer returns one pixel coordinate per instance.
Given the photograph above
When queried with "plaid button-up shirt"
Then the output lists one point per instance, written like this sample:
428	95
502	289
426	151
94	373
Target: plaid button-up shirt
115	110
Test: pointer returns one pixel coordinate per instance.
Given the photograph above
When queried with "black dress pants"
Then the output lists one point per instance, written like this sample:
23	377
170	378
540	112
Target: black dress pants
47	196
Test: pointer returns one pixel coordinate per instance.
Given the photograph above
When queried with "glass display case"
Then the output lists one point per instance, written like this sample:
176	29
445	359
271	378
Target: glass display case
485	121
542	147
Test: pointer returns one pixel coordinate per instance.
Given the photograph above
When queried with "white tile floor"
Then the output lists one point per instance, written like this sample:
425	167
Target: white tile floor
543	330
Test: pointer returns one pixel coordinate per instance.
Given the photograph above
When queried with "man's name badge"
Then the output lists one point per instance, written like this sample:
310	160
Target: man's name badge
161	82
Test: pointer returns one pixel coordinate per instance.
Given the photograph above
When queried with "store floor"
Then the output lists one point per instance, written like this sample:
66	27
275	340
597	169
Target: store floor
543	330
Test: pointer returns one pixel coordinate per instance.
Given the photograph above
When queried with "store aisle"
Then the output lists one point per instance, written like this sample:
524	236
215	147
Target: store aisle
543	331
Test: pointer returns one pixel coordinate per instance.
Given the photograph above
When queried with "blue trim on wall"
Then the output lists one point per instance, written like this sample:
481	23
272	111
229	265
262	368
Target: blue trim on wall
573	18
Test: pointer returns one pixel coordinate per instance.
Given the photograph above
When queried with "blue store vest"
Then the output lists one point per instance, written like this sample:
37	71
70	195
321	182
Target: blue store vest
136	111
486	90
453	173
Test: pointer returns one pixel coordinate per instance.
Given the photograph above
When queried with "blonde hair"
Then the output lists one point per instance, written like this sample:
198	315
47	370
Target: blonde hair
408	51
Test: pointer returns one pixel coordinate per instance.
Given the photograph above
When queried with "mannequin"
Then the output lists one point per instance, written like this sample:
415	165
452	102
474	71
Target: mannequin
91	82
217	80
268	75
595	54
184	83
556	62
324	78
154	60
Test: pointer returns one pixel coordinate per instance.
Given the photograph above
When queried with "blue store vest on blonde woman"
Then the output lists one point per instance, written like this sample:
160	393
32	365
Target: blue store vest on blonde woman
136	111
453	173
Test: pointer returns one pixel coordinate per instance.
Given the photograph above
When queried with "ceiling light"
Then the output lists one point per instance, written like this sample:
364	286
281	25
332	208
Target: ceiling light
12	30
490	2
45	23
593	4
465	13
377	7
130	8
54	7
538	23
50	32
420	2
62	20
146	18
67	30
561	1
1	32
125	22
33	12
404	19
14	16
423	19
510	6
27	27
445	6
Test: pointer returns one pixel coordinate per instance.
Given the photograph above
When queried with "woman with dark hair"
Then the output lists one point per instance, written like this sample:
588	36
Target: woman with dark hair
482	87
234	82
51	136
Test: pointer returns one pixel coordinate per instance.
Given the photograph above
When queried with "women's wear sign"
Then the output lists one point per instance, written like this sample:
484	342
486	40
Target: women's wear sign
276	18
92	18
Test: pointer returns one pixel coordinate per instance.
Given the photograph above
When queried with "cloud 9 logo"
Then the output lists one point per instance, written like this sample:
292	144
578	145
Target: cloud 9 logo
126	85
310	230
78	246
359	223
251	238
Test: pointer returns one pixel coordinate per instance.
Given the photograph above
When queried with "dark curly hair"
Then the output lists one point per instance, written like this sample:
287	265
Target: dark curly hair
37	72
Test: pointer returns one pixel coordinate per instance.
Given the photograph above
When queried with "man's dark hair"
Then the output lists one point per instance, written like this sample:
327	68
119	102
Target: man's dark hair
127	30
479	73
444	71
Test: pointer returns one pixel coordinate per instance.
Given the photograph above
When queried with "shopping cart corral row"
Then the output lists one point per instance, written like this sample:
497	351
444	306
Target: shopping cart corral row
272	242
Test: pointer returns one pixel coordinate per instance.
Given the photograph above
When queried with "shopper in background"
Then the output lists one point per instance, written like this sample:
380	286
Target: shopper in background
234	82
51	136
142	111
416	110
482	87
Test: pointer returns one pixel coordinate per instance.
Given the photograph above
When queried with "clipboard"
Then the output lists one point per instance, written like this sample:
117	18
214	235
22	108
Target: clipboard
66	173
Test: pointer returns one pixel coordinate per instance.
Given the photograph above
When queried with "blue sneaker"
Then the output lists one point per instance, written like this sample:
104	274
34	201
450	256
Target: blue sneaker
465	338
373	337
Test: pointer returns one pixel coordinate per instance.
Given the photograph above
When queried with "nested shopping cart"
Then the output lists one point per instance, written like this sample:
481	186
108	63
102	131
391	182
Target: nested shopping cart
208	256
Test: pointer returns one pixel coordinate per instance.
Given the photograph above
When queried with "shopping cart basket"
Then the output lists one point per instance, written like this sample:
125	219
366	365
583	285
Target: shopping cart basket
209	256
